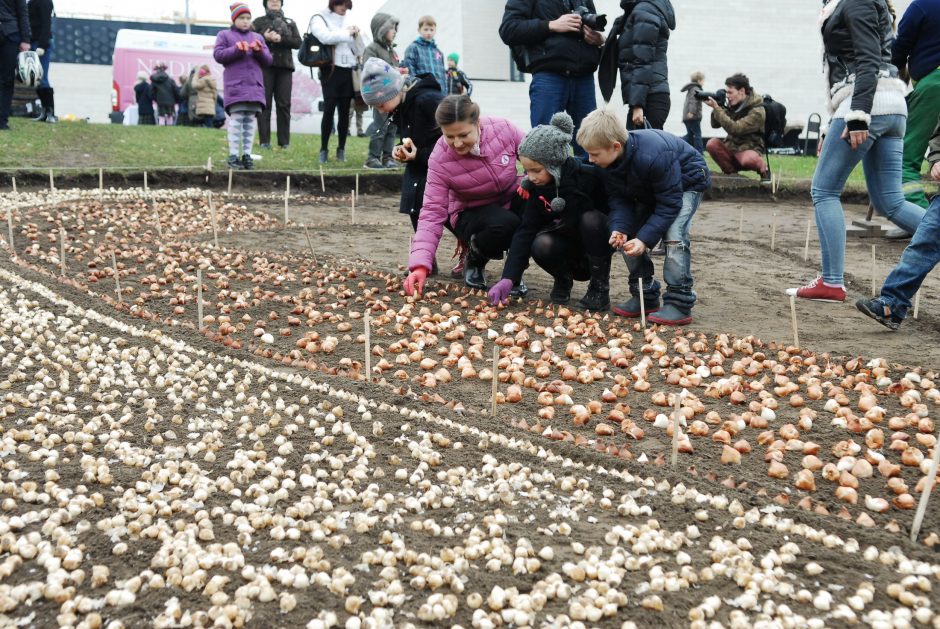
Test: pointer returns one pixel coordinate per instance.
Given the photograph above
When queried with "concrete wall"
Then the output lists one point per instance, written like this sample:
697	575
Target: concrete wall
82	90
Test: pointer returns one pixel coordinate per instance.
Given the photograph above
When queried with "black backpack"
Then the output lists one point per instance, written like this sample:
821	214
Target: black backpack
775	122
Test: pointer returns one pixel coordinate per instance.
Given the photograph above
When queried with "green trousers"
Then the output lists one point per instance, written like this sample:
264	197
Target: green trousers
923	109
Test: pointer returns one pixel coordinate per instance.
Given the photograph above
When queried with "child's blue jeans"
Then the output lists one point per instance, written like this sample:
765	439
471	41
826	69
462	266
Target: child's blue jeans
920	257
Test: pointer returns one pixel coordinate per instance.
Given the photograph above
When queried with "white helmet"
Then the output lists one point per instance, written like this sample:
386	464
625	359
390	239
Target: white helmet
28	69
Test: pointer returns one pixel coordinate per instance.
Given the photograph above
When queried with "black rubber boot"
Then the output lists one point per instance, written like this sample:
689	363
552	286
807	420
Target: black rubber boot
49	108
520	289
561	289
43	103
597	297
473	268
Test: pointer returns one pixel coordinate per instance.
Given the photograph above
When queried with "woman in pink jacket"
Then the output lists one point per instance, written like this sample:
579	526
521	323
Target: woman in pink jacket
471	181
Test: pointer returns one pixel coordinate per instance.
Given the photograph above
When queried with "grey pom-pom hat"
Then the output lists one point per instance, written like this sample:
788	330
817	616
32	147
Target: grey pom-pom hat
550	146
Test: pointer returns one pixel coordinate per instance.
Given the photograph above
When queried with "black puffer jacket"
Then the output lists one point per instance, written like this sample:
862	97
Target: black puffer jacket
14	19
165	90
582	188
639	52
282	51
415	120
40	21
857	36
525	24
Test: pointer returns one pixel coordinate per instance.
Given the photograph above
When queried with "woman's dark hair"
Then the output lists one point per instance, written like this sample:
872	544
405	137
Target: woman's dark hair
457	108
336	3
740	82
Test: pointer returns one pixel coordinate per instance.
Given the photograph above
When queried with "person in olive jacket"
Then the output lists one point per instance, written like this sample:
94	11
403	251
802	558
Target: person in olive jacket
282	37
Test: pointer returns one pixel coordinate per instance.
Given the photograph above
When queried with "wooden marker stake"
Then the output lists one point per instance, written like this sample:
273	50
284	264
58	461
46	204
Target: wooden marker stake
215	226
874	271
796	334
310	244
209	163
117	280
61	247
146	186
773	234
199	299
14	185
642	305
367	325
928	489
322	180
916	304
806	246
286	201
675	429
51	180
357	185
352	205
156	216
10	228
741	225
229	181
101	181
495	377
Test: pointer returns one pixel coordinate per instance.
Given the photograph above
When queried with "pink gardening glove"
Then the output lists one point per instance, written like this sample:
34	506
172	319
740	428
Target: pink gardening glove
414	283
499	294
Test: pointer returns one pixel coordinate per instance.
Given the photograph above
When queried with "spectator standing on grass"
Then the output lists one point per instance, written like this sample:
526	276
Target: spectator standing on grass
206	90
742	116
471	181
282	38
15	36
40	24
916	54
457	81
166	93
637	47
333	27
869	113
187	99
692	111
561	53
243	53
381	132
144	96
356	107
919	259
423	56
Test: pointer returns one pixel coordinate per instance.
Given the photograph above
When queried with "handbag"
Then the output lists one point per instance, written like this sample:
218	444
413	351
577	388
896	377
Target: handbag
313	53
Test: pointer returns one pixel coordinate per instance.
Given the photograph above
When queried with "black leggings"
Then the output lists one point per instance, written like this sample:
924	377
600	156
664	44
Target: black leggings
560	252
330	107
656	111
490	226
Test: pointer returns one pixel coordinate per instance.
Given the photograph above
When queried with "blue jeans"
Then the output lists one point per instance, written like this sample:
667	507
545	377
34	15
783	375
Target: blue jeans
550	93
881	159
693	134
919	259
44	62
677	267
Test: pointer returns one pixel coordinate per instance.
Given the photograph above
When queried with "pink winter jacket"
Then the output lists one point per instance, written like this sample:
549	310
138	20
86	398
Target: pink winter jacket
456	183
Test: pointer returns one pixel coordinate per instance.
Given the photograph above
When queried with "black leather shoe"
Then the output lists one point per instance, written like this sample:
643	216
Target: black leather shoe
520	289
561	290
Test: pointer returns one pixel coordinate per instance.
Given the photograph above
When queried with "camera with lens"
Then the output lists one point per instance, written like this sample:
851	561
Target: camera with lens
591	20
718	95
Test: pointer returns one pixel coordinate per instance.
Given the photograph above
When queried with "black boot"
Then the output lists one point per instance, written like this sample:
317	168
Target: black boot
597	297
473	269
43	104
561	289
49	109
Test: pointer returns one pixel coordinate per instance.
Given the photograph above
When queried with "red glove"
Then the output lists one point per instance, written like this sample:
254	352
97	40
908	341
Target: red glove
242	45
256	45
415	281
523	193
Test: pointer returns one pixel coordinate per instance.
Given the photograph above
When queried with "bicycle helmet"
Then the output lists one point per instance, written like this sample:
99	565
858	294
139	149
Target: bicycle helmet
28	69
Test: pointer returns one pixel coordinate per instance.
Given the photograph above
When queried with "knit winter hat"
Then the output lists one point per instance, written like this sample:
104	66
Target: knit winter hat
455	58
380	82
142	76
238	8
550	146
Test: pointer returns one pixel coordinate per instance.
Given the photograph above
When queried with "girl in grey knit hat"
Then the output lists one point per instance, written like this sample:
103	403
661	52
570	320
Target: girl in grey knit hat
564	219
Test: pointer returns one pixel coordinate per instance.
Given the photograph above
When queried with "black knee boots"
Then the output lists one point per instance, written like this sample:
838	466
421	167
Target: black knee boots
47	100
597	297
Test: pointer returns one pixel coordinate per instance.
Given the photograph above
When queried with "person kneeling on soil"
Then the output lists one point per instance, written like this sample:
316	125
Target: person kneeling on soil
564	224
743	120
654	182
918	259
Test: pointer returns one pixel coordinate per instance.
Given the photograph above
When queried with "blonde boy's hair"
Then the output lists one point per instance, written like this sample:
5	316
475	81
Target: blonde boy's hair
426	20
600	129
697	77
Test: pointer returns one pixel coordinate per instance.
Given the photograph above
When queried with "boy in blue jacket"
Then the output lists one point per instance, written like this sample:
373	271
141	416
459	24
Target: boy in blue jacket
654	182
423	56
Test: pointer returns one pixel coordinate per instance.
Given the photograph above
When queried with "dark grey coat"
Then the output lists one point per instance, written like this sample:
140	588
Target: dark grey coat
639	52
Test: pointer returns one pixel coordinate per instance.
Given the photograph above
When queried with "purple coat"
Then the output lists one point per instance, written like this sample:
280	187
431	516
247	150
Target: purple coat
242	79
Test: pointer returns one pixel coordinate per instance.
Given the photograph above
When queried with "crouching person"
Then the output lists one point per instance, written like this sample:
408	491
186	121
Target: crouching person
564	224
654	183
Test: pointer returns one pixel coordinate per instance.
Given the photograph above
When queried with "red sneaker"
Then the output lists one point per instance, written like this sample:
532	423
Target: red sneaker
817	291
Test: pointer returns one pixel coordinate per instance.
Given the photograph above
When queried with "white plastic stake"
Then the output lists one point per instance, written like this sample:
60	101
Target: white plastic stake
310	244
199	299
322	180
286	201
229	181
675	428
357	185
874	272
209	163
51	180
796	334
916	304
642	305
367	325
352	205
495	377
146	186
773	234
117	280
809	224
14	185
215	226
928	489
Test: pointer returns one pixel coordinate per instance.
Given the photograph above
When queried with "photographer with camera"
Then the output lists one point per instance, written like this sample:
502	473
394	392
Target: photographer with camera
742	116
559	42
637	49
